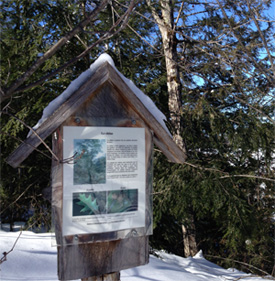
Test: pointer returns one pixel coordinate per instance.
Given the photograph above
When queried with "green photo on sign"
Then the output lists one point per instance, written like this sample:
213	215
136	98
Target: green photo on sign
120	201
90	166
89	203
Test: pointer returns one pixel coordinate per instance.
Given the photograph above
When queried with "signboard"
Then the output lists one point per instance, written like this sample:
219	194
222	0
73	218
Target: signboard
104	184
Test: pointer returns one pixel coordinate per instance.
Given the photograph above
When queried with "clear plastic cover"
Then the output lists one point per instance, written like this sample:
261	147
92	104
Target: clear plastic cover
103	189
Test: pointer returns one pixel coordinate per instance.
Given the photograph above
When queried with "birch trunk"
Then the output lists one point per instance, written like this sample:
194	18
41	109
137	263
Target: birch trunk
169	41
167	29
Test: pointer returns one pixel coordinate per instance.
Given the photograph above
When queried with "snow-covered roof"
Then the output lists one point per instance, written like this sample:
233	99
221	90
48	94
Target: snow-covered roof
78	92
74	86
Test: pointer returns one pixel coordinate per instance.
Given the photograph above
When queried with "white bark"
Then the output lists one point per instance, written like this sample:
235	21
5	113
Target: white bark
167	29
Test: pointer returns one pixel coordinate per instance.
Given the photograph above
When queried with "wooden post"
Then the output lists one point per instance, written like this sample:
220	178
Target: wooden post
102	260
106	277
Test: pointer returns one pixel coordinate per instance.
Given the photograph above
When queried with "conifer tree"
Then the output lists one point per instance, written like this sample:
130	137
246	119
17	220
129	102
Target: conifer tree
224	52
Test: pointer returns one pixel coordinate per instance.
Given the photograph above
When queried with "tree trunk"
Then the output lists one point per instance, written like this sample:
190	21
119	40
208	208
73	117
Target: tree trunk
166	26
189	238
167	29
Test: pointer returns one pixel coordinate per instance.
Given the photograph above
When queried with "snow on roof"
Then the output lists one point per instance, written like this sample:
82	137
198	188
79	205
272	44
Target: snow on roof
75	85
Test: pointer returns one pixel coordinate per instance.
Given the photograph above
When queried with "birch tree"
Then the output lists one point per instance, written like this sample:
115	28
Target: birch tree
163	14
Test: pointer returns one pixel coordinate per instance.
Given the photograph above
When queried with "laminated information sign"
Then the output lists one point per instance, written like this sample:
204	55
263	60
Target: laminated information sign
104	185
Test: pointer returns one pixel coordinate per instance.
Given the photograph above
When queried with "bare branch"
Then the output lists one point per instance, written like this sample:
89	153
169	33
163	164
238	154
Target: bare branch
225	86
25	190
178	17
243	263
76	35
262	37
110	33
36	149
10	91
205	169
70	160
237	36
4	258
34	132
247	176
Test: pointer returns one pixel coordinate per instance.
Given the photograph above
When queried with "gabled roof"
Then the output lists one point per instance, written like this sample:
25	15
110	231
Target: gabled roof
104	73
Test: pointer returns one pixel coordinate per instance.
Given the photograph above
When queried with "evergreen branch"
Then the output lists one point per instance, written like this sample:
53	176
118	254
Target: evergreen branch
4	258
237	83
110	33
226	61
253	107
228	85
11	90
217	85
161	192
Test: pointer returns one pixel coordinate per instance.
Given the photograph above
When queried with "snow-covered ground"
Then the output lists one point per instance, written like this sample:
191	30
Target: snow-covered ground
34	258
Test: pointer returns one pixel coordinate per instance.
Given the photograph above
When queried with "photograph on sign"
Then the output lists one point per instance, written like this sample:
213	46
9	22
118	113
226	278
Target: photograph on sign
104	187
89	203
90	168
120	201
102	202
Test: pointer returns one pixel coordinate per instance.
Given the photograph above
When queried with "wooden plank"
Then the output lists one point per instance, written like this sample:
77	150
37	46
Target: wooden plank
169	147
60	115
57	184
163	148
94	259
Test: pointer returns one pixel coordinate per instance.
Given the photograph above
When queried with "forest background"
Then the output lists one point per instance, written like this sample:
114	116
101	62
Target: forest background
208	66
